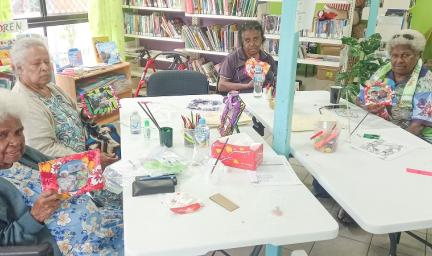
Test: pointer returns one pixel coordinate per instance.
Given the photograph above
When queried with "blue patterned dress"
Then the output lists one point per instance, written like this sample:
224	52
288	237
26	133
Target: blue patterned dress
78	226
69	129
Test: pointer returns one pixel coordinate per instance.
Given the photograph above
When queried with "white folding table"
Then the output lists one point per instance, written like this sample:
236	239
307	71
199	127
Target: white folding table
378	194
150	228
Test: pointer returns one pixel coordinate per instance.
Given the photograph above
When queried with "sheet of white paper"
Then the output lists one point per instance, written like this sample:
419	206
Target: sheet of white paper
274	172
386	147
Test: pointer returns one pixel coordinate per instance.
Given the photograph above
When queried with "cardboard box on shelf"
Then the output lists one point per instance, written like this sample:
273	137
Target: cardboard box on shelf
330	49
327	73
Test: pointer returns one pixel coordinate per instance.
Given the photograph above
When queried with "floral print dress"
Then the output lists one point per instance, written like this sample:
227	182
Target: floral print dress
78	226
69	129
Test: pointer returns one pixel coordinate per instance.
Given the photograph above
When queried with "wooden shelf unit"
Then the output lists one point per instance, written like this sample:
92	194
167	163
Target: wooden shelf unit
69	85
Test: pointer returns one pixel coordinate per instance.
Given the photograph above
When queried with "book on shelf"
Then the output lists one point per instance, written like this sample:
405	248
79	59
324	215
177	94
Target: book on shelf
302	51
5	47
328	29
108	52
155	3
211	38
242	8
154	24
271	46
271	24
96	40
5	83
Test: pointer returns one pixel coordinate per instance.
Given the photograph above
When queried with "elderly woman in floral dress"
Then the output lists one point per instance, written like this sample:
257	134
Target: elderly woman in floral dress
29	216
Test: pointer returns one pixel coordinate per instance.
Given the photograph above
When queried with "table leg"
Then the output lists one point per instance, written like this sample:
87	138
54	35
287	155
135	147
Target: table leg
256	250
272	250
394	240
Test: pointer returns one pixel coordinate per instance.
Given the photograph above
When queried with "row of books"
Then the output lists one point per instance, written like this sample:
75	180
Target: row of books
271	24
206	68
212	38
302	51
331	29
154	24
244	8
154	3
118	82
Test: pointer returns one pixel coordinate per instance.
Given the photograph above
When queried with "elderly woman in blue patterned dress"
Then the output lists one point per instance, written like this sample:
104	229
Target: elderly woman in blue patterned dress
411	82
29	216
53	126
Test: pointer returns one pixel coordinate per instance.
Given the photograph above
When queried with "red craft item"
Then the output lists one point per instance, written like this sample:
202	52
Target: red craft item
242	157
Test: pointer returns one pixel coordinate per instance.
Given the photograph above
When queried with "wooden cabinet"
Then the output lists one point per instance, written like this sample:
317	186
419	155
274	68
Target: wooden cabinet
69	85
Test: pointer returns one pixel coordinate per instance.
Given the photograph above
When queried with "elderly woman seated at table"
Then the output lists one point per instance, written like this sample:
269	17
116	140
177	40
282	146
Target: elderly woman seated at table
29	216
53	125
411	83
232	72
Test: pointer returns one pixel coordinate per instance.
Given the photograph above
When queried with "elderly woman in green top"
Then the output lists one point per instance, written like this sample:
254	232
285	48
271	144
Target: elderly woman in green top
411	82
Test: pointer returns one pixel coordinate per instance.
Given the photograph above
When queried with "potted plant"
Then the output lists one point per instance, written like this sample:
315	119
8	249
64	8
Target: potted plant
363	64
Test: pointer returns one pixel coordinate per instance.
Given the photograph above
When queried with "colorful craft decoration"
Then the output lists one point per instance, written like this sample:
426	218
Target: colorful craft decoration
205	105
238	156
99	101
234	107
250	68
72	175
379	93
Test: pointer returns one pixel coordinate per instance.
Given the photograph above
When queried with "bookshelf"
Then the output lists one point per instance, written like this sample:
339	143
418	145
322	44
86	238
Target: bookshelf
69	85
157	38
223	17
152	9
313	59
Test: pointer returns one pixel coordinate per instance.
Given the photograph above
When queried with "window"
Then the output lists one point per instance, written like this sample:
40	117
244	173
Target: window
63	22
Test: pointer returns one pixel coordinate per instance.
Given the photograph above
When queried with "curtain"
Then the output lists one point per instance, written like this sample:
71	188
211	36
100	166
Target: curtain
5	15
106	19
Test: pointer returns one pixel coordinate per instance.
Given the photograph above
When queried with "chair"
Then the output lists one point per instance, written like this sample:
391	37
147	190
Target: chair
44	249
176	82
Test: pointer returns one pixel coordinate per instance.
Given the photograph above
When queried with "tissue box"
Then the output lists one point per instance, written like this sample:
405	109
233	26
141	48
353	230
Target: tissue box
238	156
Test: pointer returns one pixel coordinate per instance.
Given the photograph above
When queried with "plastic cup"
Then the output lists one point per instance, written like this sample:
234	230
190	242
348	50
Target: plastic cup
189	137
335	93
166	136
326	136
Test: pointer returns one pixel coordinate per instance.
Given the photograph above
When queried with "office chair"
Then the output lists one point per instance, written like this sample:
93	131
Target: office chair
176	82
44	249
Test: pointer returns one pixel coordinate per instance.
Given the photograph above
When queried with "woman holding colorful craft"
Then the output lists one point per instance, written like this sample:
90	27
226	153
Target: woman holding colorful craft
53	125
411	83
30	216
232	73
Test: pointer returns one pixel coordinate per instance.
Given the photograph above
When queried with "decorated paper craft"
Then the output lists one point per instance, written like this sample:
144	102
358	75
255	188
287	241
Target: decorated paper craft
380	148
250	67
238	156
99	101
378	93
72	175
423	106
234	107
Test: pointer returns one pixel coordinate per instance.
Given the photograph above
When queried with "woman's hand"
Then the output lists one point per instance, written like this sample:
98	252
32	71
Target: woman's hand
249	85
375	108
107	159
47	203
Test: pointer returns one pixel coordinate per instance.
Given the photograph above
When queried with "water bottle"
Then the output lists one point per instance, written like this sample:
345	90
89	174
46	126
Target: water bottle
147	130
135	123
258	81
202	133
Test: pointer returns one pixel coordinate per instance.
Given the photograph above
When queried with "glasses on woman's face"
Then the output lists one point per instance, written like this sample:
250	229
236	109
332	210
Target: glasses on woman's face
406	36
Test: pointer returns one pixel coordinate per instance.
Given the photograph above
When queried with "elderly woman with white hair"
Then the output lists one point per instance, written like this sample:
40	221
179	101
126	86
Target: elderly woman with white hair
412	87
29	216
53	126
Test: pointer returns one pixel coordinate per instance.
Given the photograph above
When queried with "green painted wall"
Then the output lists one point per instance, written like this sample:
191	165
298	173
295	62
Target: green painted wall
276	8
422	22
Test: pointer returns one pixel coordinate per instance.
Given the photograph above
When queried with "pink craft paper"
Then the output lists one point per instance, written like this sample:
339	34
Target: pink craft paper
427	173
